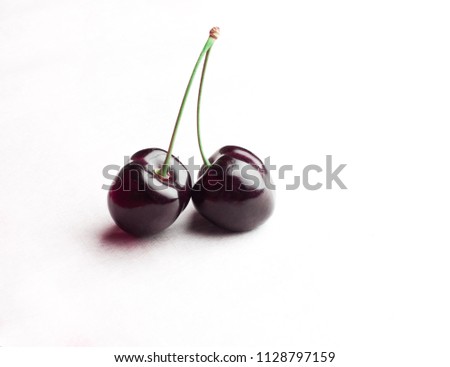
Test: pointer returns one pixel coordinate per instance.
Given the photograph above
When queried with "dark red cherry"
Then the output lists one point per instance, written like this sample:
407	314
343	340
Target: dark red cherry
141	201
235	191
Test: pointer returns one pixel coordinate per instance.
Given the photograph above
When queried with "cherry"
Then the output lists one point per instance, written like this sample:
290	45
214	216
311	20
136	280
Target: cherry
151	191
233	191
143	202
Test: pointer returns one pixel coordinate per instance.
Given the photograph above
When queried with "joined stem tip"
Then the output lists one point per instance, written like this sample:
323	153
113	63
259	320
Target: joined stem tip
214	32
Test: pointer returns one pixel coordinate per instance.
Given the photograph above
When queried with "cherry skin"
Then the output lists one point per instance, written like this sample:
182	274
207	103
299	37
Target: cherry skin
234	192
141	201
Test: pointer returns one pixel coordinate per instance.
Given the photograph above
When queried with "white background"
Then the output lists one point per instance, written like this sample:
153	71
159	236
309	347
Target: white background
362	272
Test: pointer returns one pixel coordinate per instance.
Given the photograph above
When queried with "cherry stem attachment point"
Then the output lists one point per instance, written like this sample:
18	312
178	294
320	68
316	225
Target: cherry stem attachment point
213	34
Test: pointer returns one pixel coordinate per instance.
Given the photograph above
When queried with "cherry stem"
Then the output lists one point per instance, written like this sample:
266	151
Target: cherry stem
199	99
213	34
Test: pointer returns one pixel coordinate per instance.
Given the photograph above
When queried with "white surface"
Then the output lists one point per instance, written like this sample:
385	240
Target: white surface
363	271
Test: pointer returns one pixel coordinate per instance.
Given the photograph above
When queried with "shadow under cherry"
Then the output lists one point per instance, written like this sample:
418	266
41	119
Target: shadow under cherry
114	236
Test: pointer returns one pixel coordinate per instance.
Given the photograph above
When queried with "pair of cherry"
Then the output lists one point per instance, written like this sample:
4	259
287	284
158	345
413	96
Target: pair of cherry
232	190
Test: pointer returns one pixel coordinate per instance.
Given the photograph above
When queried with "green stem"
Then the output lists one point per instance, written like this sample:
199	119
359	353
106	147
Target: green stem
166	165
199	100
